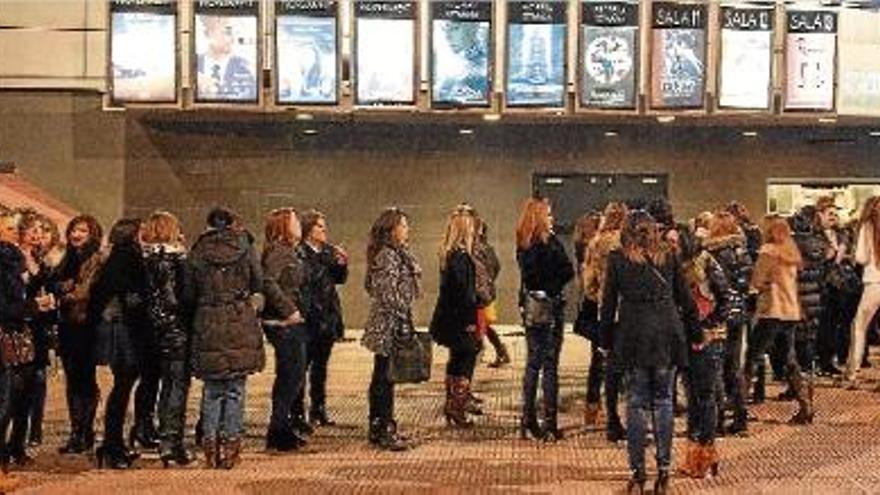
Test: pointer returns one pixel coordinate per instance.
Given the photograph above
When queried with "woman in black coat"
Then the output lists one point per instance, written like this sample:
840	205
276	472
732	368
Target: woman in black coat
645	290
454	323
545	270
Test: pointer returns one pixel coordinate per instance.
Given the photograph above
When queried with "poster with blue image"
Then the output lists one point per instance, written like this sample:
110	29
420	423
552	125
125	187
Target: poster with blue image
536	38
460	47
307	52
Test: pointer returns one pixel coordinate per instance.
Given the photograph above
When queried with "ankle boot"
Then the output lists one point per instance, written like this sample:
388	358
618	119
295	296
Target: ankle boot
457	401
661	485
691	465
211	452
615	431
318	416
387	436
552	433
502	357
804	414
230	453
711	458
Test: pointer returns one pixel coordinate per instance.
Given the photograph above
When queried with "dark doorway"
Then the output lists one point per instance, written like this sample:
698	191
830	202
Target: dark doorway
573	194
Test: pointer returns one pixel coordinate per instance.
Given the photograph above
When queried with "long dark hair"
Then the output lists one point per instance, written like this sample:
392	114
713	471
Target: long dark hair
382	232
640	239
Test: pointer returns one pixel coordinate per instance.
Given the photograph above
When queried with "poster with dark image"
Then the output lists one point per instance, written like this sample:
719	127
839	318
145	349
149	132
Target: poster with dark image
746	58
810	55
384	53
536	54
143	54
226	50
460	45
306	52
609	50
678	55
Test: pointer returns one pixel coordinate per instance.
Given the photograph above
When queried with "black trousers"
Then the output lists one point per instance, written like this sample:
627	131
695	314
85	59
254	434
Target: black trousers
38	404
596	374
147	391
174	380
462	362
290	372
78	359
318	355
381	391
20	386
834	329
124	379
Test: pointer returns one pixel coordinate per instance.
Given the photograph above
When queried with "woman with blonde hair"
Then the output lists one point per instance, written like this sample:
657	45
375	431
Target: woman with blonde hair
778	309
545	270
454	324
284	274
593	280
646	288
867	255
164	268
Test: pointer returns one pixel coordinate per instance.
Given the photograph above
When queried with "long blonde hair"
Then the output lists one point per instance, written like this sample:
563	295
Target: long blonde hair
459	235
534	223
161	227
778	232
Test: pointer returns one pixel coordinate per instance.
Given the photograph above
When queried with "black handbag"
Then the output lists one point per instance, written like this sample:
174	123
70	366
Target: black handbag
411	358
538	310
587	323
845	278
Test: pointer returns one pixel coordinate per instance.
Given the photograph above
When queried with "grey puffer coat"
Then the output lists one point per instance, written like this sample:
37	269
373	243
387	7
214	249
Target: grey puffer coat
223	274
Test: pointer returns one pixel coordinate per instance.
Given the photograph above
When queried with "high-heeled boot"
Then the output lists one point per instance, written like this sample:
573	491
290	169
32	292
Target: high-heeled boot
804	414
457	402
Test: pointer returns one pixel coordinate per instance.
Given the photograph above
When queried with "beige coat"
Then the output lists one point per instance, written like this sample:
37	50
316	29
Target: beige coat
775	279
596	263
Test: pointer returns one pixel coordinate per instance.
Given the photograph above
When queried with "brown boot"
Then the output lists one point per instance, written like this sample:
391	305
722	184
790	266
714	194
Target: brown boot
692	466
592	414
230	453
8	482
711	458
457	399
210	450
804	414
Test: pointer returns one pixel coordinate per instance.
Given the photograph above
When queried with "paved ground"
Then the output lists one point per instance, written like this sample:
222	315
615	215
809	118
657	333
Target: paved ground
840	453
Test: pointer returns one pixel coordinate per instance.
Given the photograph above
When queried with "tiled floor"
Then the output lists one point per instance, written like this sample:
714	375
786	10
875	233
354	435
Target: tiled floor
839	453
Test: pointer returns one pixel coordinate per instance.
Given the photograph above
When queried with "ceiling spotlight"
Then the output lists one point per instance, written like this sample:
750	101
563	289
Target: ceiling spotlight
874	133
828	120
310	132
492	117
610	134
465	131
305	116
665	119
750	134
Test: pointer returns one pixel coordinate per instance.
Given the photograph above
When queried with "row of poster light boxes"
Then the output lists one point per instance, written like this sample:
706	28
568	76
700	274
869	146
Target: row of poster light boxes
226	66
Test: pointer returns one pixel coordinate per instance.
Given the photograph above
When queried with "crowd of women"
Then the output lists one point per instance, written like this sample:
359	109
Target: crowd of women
699	303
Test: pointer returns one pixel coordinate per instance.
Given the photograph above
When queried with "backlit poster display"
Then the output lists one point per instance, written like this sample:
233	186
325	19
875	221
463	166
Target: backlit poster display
461	35
306	51
609	54
536	39
385	53
226	61
859	63
143	55
678	55
810	49
746	58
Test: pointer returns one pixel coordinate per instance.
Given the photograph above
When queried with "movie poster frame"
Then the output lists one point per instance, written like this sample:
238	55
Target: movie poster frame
276	90
817	112
580	106
538	107
491	67
353	72
648	21
194	69
719	53
110	102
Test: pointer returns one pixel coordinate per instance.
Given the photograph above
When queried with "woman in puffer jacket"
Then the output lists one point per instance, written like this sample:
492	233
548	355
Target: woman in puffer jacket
728	245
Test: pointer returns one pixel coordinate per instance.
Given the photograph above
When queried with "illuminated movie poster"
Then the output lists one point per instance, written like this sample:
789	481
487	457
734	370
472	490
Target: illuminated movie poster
810	48
746	57
536	54
859	63
678	55
143	56
460	45
226	50
385	52
306	52
609	50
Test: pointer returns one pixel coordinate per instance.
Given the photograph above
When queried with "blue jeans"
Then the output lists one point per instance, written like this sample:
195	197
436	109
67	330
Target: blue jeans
223	408
650	392
543	348
705	392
